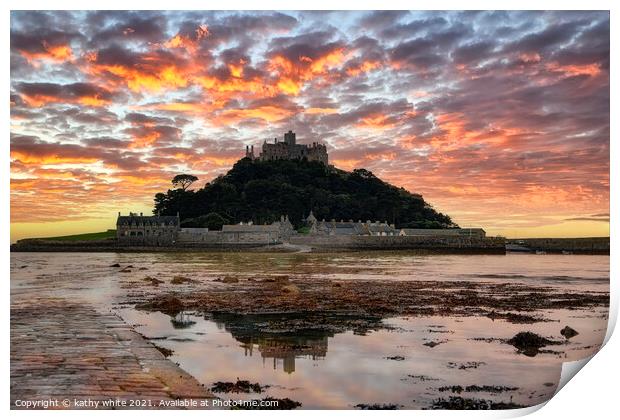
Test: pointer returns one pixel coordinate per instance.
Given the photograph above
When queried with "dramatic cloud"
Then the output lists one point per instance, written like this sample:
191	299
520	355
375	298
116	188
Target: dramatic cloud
500	119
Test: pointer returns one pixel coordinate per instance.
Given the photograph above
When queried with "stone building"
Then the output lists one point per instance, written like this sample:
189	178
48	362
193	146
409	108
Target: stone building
143	230
289	149
352	228
239	234
463	233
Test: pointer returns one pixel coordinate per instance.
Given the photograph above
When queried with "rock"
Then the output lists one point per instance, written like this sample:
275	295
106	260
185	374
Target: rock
432	344
568	332
125	270
529	343
241	386
377	406
142	268
397	358
168	304
166	352
115	265
230	279
290	288
181	280
154	281
460	403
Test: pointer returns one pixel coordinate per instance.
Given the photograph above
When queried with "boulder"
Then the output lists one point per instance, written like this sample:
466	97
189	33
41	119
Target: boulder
568	332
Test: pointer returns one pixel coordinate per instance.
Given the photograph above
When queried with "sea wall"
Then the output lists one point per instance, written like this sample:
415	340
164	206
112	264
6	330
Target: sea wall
353	242
576	245
242	241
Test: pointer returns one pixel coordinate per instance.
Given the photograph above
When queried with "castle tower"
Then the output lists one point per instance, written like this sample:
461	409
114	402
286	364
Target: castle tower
249	152
289	138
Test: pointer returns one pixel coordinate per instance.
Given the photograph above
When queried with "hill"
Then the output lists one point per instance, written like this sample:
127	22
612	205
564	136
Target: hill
262	191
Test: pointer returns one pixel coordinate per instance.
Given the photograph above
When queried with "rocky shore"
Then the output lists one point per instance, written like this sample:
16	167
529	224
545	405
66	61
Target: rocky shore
334	306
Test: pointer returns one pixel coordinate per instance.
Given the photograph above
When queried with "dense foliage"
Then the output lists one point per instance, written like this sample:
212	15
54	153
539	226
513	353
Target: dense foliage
262	191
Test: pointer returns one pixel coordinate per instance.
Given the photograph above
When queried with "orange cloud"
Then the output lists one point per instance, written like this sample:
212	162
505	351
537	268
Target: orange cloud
364	67
189	107
377	122
268	113
188	42
54	53
36	101
591	70
236	85
48	158
152	73
292	76
321	110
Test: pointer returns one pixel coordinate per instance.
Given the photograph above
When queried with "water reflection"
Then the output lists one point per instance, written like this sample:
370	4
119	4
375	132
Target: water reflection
279	345
181	321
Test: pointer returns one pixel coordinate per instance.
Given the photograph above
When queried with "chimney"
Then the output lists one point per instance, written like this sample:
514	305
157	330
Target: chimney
119	213
140	214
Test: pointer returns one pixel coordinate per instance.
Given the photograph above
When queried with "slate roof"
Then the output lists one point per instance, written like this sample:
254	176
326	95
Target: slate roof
147	220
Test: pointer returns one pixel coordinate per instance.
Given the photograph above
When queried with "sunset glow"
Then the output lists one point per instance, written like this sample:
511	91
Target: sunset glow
499	119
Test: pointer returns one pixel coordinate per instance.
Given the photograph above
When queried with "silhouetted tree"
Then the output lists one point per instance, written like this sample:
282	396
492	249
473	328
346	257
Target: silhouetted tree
184	181
213	221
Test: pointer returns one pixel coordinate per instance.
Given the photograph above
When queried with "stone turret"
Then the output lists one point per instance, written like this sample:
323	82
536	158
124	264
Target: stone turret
310	220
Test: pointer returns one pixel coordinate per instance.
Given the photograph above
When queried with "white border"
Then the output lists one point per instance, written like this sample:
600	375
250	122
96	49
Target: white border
592	394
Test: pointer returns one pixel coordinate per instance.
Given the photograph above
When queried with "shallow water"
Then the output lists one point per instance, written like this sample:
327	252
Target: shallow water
344	369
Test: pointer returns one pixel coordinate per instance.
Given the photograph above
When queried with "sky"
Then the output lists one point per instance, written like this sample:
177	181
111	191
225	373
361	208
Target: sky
499	119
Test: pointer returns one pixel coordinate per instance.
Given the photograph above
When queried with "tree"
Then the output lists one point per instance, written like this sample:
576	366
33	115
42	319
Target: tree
213	221
184	181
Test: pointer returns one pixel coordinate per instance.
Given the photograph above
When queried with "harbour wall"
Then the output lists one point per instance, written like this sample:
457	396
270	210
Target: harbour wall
316	243
353	242
598	245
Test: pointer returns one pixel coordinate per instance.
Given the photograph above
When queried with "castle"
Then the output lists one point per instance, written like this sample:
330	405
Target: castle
289	149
